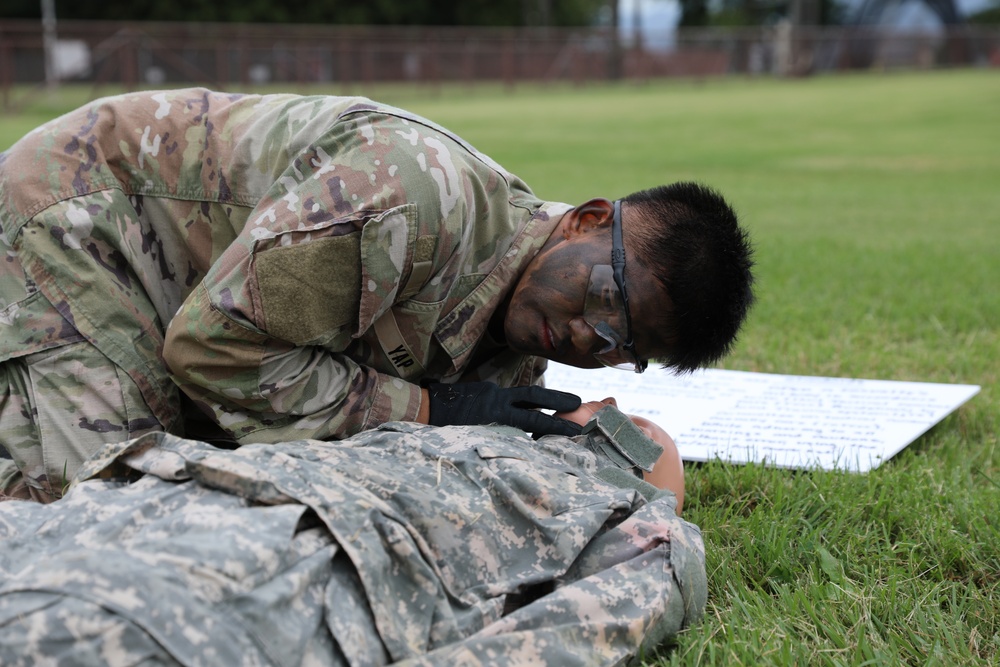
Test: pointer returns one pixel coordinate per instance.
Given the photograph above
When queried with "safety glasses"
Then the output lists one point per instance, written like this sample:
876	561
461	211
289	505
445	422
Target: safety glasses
606	306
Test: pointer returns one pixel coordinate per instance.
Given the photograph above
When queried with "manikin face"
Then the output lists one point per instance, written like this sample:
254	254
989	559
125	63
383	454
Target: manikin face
545	314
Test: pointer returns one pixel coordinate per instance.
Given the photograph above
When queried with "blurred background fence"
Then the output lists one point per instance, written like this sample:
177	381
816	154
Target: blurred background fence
219	54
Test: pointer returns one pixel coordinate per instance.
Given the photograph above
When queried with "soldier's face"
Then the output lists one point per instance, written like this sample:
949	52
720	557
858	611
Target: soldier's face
545	314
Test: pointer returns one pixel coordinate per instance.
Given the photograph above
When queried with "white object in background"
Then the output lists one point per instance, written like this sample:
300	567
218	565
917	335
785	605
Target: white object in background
790	421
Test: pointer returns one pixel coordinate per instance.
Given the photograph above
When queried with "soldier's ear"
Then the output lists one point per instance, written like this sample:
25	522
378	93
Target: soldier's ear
588	216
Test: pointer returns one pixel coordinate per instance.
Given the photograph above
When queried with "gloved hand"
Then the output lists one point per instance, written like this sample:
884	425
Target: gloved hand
486	403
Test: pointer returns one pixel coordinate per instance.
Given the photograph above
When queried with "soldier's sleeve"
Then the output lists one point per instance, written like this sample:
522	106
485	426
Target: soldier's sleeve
267	343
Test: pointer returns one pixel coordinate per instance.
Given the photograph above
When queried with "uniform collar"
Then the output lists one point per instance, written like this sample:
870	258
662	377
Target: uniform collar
460	330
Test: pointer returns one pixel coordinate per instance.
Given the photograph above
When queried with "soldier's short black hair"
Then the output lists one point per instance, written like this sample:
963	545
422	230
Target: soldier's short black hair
689	238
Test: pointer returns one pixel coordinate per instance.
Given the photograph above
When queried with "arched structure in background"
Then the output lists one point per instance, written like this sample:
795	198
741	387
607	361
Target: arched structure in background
866	46
872	12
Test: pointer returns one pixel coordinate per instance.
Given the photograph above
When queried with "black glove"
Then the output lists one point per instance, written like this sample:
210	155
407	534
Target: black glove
486	403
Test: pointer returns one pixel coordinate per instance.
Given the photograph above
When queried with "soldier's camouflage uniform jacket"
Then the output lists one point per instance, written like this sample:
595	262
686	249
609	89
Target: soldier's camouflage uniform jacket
311	256
404	544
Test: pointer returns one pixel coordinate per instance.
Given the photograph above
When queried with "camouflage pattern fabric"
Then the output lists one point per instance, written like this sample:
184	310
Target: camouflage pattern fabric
312	256
404	545
60	406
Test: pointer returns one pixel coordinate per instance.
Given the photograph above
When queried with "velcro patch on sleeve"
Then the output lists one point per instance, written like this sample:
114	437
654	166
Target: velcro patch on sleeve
308	290
626	444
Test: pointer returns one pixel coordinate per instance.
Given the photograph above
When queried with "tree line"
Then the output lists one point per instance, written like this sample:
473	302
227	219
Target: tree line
510	13
350	12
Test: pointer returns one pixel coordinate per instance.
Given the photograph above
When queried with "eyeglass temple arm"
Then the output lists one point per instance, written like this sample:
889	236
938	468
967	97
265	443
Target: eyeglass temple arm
618	265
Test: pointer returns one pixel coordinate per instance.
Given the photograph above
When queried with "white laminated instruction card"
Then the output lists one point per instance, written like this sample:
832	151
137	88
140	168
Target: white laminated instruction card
791	421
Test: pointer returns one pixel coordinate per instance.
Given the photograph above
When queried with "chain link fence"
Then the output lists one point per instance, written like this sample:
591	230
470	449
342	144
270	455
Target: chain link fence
220	55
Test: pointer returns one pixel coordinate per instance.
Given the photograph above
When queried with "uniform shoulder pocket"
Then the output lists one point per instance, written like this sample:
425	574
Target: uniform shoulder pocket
308	290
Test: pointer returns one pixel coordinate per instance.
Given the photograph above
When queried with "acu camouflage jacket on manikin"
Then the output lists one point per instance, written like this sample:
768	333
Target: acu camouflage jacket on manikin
273	235
402	545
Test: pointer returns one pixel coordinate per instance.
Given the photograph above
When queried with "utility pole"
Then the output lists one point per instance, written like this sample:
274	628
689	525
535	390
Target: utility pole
637	25
615	47
49	43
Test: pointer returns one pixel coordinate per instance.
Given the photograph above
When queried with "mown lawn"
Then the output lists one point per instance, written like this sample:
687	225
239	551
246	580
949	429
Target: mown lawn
874	201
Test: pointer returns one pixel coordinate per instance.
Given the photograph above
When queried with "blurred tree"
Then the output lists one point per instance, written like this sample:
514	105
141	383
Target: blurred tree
21	9
988	16
698	13
374	12
694	13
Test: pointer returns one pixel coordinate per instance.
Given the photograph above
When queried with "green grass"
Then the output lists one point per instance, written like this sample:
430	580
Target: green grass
875	205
